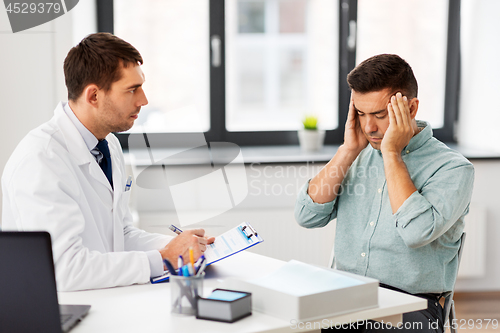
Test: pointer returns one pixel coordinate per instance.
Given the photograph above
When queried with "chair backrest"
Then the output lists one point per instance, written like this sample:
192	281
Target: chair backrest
448	303
331	262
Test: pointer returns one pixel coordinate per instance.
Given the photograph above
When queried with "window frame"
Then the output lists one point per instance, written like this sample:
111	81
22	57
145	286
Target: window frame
347	61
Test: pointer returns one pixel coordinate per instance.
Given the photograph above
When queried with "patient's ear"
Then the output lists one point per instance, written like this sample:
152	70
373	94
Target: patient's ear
413	105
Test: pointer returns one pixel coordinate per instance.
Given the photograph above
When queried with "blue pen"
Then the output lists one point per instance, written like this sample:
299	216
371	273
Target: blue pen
170	268
185	270
180	263
128	185
202	267
175	229
198	262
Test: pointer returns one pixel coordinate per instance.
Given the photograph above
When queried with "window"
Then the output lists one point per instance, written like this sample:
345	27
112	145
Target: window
416	30
426	33
281	64
248	71
176	64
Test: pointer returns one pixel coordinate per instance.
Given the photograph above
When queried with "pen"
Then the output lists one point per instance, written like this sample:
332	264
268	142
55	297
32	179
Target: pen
202	267
128	185
199	264
180	263
191	256
190	269
185	270
170	268
191	262
175	229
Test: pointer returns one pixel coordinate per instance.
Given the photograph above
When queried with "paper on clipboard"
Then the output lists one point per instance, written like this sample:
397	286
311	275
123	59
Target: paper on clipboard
232	241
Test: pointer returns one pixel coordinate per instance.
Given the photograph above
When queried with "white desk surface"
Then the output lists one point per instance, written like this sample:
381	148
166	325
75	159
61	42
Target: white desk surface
146	308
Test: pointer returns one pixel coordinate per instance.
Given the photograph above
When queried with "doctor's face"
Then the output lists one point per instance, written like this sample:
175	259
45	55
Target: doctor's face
123	102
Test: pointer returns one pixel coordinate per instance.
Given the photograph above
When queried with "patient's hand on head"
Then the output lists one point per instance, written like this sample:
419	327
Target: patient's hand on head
400	129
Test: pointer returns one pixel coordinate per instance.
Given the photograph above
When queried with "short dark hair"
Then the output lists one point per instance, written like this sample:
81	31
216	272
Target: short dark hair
381	72
96	59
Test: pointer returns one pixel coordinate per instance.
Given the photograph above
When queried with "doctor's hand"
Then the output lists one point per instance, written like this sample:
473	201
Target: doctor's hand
400	129
354	139
180	245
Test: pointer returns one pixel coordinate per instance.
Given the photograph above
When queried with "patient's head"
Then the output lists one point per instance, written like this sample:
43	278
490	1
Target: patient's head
381	72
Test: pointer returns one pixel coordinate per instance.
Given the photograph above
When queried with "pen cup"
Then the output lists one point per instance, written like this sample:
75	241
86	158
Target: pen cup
184	291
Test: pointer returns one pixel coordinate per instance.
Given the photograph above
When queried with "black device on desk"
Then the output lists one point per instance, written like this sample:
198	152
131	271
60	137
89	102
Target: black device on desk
28	293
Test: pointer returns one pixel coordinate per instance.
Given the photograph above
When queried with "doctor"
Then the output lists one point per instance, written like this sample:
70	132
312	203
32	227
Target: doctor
67	176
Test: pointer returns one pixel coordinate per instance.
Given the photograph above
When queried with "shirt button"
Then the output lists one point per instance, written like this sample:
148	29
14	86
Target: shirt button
407	151
363	254
372	223
379	190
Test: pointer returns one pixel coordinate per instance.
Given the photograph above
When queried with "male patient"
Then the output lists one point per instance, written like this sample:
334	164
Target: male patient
399	201
68	177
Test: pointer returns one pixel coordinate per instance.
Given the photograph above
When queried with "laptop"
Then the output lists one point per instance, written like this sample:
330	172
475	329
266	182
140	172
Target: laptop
28	293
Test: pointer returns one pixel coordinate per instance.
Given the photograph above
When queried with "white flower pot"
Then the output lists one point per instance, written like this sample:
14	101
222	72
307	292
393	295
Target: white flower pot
311	140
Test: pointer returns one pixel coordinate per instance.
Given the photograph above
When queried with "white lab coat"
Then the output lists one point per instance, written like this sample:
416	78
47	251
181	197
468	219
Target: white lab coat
52	182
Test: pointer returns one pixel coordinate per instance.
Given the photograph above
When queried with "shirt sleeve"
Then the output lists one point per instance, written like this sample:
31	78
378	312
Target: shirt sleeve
155	263
139	240
431	211
310	214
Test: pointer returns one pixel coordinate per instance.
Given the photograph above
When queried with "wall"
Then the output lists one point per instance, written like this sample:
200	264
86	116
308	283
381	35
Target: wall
32	80
28	86
479	116
486	185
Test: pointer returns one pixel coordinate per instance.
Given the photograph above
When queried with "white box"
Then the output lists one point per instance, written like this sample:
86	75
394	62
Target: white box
305	292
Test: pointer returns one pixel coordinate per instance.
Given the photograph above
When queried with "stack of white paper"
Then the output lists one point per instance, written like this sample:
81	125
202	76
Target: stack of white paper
305	292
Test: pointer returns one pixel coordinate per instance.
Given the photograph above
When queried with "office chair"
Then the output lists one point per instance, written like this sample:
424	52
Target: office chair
449	304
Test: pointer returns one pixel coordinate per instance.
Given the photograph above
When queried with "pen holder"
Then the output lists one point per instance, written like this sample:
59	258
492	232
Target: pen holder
184	291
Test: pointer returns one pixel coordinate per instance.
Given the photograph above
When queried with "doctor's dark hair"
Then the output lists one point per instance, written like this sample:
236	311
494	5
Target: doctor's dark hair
96	60
381	72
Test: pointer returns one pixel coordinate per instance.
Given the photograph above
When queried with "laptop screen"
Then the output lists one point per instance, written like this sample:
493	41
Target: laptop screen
28	294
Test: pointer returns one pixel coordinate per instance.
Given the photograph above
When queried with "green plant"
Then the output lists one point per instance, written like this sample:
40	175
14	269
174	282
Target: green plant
310	123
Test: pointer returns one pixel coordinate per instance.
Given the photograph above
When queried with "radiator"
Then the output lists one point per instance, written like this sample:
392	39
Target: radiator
473	264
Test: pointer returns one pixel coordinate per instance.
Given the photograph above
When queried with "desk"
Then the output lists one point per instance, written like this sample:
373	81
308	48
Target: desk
146	308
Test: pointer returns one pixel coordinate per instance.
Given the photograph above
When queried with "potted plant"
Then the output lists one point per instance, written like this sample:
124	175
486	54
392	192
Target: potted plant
310	137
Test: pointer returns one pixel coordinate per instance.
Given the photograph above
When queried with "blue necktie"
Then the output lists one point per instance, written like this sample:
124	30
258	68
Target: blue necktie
106	160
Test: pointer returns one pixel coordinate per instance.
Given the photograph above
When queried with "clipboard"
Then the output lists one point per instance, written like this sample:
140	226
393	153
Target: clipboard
238	239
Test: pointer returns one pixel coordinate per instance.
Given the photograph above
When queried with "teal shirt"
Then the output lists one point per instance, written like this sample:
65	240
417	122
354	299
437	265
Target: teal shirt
414	249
